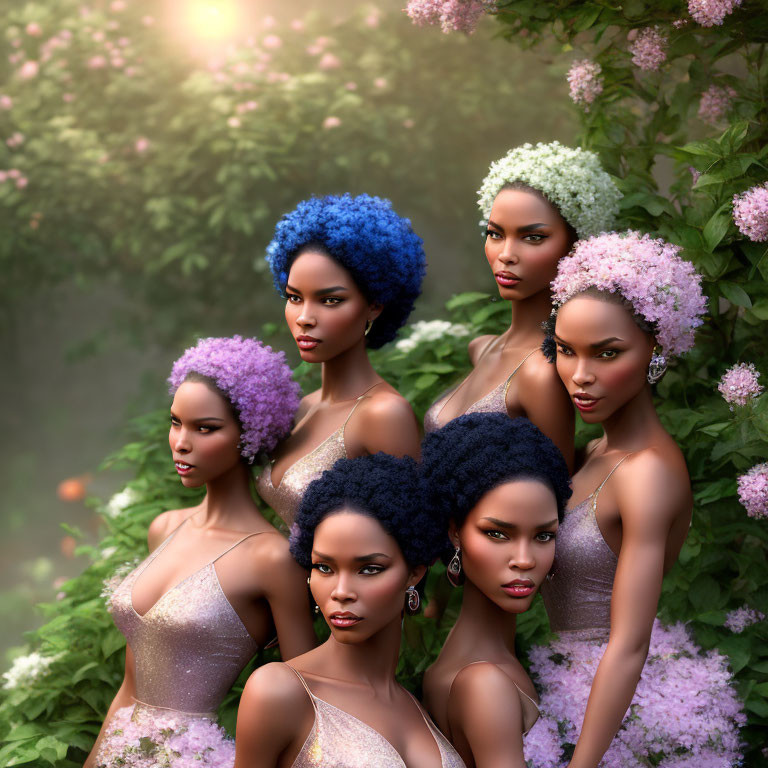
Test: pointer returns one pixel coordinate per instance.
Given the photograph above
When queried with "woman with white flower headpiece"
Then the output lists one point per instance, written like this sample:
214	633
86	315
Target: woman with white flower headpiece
535	202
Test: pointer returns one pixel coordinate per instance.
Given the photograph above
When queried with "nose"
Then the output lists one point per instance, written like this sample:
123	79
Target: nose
343	591
307	318
180	441
508	255
522	557
583	375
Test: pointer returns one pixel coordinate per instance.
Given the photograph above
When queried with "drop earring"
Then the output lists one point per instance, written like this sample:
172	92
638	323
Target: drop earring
454	568
368	326
414	601
657	367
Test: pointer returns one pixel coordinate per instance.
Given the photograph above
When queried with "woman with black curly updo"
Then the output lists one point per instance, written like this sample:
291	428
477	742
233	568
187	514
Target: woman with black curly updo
363	531
503	486
350	269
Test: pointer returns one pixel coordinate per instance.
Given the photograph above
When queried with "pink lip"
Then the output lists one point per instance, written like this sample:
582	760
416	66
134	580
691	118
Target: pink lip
519	588
584	402
183	470
507	279
307	342
343	620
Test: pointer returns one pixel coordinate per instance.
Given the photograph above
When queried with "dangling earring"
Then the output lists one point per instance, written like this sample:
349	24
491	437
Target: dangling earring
657	367
414	601
454	568
316	609
368	326
551	575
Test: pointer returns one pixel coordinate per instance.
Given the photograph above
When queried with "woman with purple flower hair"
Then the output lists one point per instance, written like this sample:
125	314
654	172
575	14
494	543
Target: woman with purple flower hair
220	580
350	270
625	304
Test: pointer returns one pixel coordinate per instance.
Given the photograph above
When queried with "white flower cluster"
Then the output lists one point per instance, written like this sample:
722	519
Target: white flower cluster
120	501
27	669
431	330
571	178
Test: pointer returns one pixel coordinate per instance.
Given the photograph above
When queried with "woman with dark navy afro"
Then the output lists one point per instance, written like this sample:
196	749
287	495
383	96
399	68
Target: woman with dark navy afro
367	539
503	486
350	270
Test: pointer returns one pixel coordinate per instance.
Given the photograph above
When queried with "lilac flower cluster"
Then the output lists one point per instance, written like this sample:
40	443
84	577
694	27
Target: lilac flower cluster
685	709
750	213
737	621
739	384
710	13
662	287
257	382
585	82
753	491
649	48
715	104
451	15
146	737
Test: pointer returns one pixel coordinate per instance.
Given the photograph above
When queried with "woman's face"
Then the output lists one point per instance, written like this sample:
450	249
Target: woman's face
325	310
508	542
359	576
525	239
602	356
204	435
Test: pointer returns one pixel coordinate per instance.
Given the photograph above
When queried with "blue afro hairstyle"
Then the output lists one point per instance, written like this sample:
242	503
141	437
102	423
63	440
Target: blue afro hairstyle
365	235
386	488
477	452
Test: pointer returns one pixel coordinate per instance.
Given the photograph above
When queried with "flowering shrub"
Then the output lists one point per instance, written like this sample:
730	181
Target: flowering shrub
648	48
715	104
753	491
750	213
737	621
451	15
740	385
585	82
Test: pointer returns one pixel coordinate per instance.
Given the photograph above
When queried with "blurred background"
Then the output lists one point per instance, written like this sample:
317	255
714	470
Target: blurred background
148	148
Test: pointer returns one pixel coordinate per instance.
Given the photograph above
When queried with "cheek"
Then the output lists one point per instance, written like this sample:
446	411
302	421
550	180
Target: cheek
624	377
481	556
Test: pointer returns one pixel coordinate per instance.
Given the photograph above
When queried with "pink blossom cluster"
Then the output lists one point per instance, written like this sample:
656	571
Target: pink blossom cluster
649	273
15	140
739	384
715	103
753	491
710	13
685	710
16	176
146	737
451	15
585	82
750	213
737	621
649	48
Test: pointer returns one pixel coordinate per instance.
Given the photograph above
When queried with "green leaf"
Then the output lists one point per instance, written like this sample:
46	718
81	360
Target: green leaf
462	299
425	381
735	294
715	229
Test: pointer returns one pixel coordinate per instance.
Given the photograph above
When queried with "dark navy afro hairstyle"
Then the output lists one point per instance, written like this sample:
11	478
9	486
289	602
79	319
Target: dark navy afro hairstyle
383	254
381	486
477	452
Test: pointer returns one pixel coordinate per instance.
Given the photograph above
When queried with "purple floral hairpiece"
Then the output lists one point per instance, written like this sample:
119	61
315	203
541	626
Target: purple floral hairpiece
648	272
256	380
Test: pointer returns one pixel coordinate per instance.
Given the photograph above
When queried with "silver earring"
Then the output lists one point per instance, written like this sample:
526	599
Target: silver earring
414	601
657	367
368	327
550	576
454	568
308	578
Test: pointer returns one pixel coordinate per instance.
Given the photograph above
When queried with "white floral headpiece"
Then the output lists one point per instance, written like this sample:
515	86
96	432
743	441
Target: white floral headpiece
571	178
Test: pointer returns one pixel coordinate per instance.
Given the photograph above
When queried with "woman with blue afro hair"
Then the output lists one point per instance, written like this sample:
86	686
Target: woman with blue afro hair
350	270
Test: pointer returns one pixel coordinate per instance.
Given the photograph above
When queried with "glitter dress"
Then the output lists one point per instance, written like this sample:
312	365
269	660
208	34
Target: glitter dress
340	740
285	499
189	648
494	402
685	711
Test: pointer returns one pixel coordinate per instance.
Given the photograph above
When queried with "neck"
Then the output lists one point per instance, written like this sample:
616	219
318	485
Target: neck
348	375
528	316
228	499
634	424
485	629
372	662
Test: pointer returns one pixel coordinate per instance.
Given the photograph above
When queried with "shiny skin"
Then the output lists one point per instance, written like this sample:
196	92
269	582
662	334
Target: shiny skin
527	237
203	433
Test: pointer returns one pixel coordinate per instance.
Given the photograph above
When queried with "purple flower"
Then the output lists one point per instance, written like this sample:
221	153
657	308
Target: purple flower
710	13
662	287
737	621
753	491
750	213
256	380
739	384
649	48
715	104
451	15
585	82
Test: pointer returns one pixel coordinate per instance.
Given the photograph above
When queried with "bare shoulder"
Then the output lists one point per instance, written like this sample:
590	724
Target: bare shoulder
269	557
538	375
476	346
307	402
273	690
164	524
385	407
483	678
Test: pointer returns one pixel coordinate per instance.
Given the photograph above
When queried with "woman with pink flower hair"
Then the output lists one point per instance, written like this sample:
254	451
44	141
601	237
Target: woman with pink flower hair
625	303
220	581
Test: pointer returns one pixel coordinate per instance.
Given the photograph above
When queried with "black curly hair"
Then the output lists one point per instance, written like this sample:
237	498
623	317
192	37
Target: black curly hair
477	452
383	487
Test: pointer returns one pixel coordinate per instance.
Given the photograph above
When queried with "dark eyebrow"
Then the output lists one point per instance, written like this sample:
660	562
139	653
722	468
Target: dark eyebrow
321	292
531	227
198	421
360	559
597	345
494	224
503	524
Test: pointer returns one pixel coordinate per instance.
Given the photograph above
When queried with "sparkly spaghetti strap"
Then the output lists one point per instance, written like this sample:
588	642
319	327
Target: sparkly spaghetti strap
596	492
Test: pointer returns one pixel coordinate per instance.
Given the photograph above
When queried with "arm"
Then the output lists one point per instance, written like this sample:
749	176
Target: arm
123	698
485	716
274	715
385	423
649	496
285	587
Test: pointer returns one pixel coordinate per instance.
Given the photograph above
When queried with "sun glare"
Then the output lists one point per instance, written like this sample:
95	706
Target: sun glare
213	20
